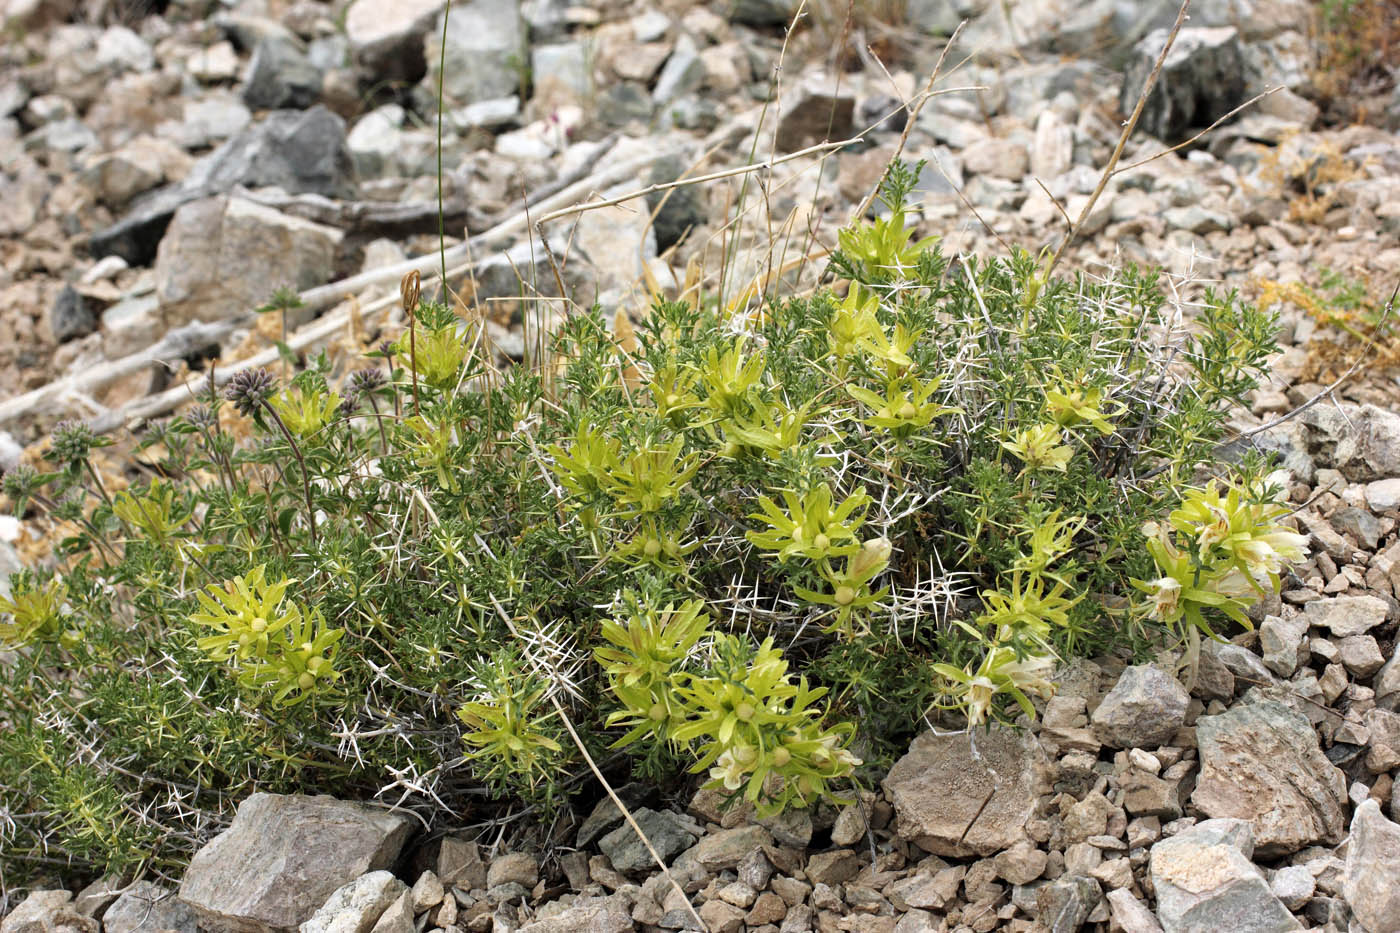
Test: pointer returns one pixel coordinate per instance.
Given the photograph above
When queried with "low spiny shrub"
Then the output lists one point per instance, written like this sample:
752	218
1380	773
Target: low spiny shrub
764	545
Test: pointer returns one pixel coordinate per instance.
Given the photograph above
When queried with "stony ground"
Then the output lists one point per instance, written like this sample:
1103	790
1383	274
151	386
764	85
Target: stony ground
161	174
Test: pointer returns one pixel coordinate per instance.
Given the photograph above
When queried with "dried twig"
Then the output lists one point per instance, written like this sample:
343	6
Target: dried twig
1128	128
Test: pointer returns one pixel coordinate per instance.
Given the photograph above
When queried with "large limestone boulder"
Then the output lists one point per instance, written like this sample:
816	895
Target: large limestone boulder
1261	762
1205	881
224	256
283	856
967	793
1372	868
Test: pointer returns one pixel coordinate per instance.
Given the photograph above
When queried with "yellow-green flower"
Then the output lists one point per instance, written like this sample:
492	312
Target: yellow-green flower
1041	448
305	412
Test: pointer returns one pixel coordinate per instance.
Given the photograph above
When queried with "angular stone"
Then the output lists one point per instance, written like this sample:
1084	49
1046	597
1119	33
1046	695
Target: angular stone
281	77
999	158
1205	881
428	891
1064	904
728	847
1383	752
1143	710
1346	615
486	52
397	917
1372	867
520	868
1129	914
1023	863
70	316
387	37
662	828
283	856
299	151
967	793
1201	80
225	256
36	913
459	863
591	914
817	112
356	907
148	908
1261	762
1052	153
1361	655
1284	643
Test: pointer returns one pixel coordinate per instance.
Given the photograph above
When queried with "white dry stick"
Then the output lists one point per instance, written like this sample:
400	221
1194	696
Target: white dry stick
592	766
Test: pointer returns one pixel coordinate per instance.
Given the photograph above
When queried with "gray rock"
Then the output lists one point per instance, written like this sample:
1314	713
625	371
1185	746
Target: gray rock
967	793
562	65
225	256
36	913
92	900
1383	495
283	856
357	906
1261	762
816	112
487	114
397	917
1347	615
683	72
520	868
1284	643
1372	867
1129	914
762	12
387	36
299	151
1240	662
1202	79
120	49
1205	881
1361	655
726	848
1360	524
376	140
594	914
1363	442
1143	710
280	76
935	17
148	908
662	828
1052	152
999	158
1387	684
485	54
70	316
459	863
1293	885
679	210
1064	904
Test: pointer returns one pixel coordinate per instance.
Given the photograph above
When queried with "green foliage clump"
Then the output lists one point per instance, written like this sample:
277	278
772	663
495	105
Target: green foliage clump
765	546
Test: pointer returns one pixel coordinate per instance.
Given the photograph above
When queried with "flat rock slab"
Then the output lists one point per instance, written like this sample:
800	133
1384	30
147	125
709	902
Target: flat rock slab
969	793
1261	762
283	856
1205	881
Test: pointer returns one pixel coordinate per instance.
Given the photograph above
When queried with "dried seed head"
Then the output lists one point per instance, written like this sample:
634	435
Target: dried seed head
408	291
248	388
366	380
72	440
202	416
